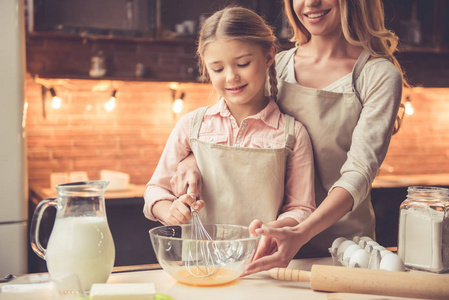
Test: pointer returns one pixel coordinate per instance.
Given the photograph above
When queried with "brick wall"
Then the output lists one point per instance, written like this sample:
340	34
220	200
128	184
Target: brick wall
131	138
128	139
422	144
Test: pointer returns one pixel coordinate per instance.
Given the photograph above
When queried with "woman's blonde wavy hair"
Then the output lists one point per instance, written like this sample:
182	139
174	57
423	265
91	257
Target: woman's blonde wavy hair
363	24
242	24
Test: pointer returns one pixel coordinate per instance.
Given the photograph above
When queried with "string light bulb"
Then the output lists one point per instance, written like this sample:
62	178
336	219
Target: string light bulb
56	101
409	110
178	104
110	105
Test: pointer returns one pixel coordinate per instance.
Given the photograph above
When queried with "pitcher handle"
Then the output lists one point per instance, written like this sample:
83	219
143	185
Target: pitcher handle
35	225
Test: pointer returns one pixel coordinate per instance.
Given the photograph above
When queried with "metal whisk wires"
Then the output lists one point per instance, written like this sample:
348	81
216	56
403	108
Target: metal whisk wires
203	259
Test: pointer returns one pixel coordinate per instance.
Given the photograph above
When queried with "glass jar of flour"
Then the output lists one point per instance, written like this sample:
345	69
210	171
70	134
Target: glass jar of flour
423	241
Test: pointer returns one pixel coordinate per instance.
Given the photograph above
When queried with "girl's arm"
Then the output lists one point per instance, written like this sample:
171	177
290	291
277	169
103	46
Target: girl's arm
177	148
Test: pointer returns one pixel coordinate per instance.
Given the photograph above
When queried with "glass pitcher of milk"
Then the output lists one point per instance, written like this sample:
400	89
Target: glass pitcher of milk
80	241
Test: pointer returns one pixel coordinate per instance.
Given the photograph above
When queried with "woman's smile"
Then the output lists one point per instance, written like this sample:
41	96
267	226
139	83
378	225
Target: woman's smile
316	14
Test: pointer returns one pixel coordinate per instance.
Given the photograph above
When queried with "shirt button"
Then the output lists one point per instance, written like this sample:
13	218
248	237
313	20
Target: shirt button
267	146
234	124
245	124
237	144
211	139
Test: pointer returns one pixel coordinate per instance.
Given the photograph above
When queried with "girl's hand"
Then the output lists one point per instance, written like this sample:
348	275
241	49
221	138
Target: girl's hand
179	211
187	175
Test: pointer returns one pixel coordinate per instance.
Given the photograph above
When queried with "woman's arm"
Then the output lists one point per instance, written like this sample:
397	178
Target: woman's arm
380	86
290	239
299	188
187	175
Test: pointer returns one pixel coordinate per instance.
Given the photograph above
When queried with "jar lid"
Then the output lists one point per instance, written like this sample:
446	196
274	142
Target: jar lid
428	192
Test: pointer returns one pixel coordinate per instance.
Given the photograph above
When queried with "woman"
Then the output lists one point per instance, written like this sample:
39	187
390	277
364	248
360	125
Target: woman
344	84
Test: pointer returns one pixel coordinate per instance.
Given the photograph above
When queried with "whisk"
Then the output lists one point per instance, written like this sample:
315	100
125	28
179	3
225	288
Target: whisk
203	259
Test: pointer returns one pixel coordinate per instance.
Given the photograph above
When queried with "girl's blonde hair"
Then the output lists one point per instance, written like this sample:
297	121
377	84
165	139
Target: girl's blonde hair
242	24
363	24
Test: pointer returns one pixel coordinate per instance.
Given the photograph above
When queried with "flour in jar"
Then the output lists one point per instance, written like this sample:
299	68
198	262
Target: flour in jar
423	239
81	245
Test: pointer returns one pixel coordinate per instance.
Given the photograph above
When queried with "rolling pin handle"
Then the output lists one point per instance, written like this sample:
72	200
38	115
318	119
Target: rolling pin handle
290	274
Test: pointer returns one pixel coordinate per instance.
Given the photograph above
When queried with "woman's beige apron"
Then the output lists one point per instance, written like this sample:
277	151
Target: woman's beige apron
330	119
240	184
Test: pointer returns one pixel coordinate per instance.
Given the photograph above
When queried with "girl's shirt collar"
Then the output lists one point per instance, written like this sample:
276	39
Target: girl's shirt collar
270	115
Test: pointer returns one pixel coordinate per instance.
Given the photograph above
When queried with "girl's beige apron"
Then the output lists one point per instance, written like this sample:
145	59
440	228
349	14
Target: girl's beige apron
330	119
240	184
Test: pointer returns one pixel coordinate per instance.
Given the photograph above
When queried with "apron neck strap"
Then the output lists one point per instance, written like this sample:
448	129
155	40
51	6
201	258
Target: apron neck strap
289	132
357	70
197	122
282	63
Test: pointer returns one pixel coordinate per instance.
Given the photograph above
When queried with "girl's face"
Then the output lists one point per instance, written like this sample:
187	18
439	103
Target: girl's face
238	71
319	17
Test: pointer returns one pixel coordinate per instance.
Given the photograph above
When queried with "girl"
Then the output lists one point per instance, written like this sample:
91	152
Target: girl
255	161
344	84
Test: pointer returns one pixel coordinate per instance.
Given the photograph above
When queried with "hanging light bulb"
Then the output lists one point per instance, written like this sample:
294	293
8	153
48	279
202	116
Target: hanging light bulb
56	101
178	104
409	110
110	105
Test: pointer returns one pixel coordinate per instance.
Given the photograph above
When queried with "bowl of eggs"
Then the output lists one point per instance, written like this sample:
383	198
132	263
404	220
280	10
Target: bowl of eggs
204	262
363	252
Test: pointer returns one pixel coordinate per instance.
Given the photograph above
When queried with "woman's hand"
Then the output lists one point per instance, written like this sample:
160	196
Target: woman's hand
266	245
277	249
290	238
187	175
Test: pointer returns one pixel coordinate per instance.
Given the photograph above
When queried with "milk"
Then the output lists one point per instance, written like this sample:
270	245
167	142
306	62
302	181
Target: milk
81	245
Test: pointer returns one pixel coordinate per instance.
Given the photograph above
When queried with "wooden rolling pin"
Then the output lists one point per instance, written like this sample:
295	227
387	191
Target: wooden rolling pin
367	281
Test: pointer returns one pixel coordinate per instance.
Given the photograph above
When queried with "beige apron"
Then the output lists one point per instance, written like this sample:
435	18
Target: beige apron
241	184
330	119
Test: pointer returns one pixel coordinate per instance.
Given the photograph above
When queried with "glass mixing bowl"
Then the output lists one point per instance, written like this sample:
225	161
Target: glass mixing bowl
204	262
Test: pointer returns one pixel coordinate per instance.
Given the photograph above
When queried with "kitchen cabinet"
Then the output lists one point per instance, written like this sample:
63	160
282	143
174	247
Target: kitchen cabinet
387	196
160	36
386	202
422	26
128	226
423	29
139	20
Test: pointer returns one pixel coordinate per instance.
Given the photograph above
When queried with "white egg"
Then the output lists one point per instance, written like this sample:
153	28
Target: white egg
368	248
348	253
343	246
374	259
366	238
356	239
337	242
385	252
372	243
380	248
359	259
362	244
392	262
